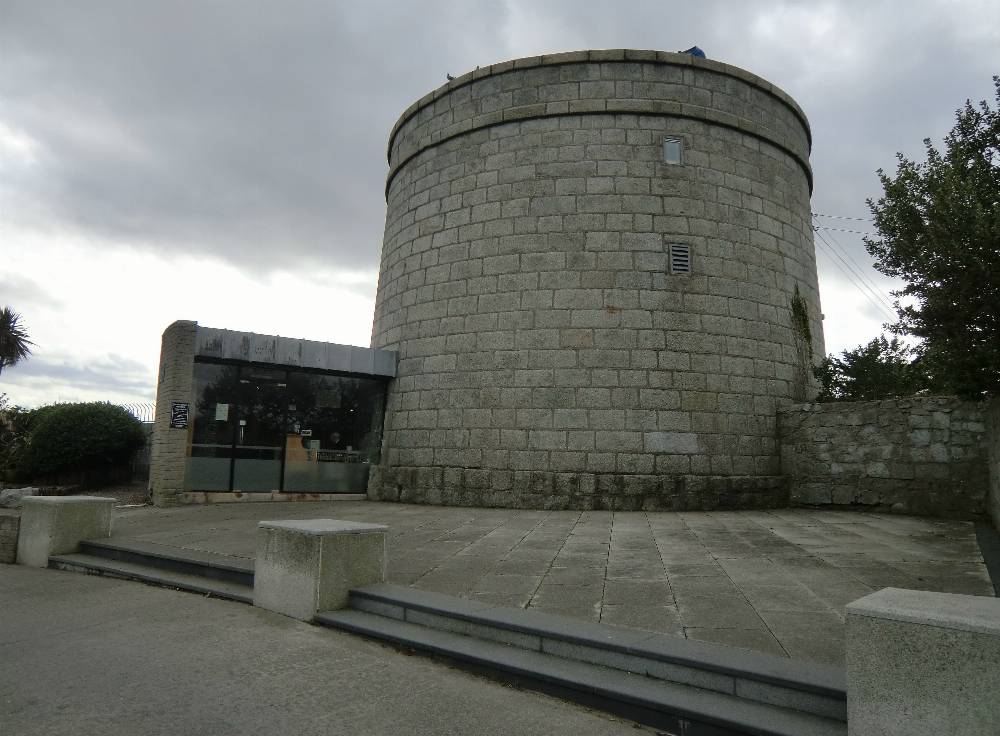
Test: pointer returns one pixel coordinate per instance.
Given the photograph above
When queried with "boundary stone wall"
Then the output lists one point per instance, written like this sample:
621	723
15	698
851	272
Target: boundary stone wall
915	455
549	355
994	461
10	522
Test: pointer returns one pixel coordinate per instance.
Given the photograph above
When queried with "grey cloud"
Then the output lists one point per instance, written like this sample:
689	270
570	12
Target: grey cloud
20	292
256	132
111	375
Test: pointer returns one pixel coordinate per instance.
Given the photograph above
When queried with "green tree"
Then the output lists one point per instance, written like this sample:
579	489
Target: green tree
882	369
938	226
14	343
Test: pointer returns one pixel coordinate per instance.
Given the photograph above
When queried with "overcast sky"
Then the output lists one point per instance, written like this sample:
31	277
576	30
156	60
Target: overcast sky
225	161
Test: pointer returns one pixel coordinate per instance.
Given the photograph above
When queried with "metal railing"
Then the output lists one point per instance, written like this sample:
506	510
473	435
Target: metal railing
143	411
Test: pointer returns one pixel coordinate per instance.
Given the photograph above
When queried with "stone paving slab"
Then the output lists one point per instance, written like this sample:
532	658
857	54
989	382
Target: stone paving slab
773	581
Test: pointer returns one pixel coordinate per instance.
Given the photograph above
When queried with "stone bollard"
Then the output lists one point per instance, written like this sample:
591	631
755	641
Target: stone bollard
53	525
304	567
923	664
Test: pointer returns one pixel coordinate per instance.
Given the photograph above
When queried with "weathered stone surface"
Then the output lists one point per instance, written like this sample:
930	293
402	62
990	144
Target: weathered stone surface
52	525
526	280
303	567
175	382
925	455
993	456
921	664
10	523
13	498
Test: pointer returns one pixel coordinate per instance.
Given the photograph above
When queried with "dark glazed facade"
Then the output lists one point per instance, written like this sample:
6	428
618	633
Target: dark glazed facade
548	355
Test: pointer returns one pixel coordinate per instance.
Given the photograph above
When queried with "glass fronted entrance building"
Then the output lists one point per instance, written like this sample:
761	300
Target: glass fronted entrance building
241	413
268	428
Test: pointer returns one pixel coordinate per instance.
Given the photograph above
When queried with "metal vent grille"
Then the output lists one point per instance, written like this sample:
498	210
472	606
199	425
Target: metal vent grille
680	258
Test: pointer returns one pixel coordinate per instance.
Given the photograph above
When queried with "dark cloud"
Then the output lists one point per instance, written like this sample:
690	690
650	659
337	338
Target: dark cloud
256	132
248	130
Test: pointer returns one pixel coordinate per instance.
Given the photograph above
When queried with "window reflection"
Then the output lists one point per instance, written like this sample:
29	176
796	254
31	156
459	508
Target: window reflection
210	453
262	428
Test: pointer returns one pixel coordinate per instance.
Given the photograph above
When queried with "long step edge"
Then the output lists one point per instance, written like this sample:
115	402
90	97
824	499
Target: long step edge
169	552
227	568
820	679
655	703
166	578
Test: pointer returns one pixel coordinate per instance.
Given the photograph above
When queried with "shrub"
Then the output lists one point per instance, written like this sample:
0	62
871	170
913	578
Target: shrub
70	438
15	428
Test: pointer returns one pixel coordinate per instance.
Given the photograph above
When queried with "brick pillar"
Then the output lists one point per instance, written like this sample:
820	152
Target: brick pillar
168	458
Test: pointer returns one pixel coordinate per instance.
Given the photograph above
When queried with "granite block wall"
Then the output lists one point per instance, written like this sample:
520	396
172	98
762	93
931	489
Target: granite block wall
917	455
549	355
993	453
168	452
10	522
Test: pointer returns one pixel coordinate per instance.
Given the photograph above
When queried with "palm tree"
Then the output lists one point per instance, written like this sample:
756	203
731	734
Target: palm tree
14	342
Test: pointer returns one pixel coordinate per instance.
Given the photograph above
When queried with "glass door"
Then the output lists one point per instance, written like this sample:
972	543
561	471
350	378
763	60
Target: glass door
259	429
211	452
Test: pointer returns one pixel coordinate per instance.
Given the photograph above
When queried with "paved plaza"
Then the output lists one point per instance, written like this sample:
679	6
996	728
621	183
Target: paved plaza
81	654
773	581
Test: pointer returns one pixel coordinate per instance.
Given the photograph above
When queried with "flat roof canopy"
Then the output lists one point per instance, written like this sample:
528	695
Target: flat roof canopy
213	342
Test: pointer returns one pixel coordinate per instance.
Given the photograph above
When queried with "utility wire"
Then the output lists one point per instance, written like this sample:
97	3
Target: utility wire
858	275
842	217
860	270
876	305
845	269
843	230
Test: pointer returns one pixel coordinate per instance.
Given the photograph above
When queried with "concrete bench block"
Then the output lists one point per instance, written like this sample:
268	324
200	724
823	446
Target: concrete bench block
923	664
304	567
54	525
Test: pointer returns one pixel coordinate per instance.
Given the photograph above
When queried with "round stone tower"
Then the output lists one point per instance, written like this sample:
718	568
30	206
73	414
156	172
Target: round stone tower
599	273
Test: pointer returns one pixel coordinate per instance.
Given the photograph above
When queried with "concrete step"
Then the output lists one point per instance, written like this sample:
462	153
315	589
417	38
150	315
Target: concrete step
96	565
227	568
676	708
811	688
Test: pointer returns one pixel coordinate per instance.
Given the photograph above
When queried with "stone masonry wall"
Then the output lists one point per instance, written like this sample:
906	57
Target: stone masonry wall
548	355
10	522
168	455
917	455
993	424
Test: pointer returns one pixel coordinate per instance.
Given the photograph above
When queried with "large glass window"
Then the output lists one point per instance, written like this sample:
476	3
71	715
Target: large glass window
335	431
266	428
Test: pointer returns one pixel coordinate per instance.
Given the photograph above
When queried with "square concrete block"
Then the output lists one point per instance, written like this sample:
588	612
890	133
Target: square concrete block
52	525
923	664
304	567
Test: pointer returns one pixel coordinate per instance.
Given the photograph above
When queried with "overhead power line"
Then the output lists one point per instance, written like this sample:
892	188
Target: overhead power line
844	271
842	217
861	271
843	230
854	278
862	281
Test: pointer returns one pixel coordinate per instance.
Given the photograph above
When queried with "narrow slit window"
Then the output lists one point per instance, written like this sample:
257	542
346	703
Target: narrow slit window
673	151
680	258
